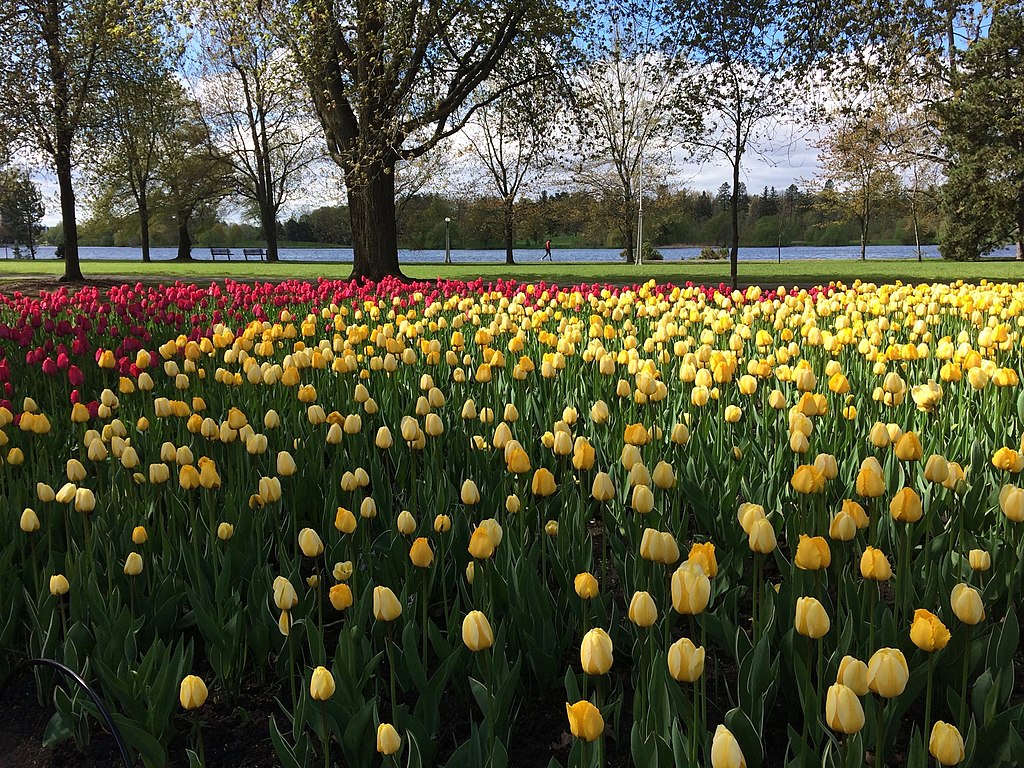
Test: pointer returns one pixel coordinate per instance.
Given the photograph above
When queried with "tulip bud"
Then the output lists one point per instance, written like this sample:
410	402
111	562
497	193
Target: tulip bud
811	619
85	500
59	585
585	721
906	506
45	493
761	538
966	604
874	565
843	710
225	531
543	483
843	527
928	632
586	586
29	522
133	565
685	661
310	543
512	504
321	684
642	610
386	606
406	523
980	560
691	589
812	553
551	527
340	596
388	740
420	553
192	693
936	469
442	524
703	554
888	672
285	597
476	632
596	652
469	493
480	544
946	744
725	750
853	673
643	499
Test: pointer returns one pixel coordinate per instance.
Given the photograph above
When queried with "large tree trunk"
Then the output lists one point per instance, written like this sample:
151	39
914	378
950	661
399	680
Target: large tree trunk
630	254
144	223
1020	233
268	221
184	238
72	268
734	205
509	222
371	205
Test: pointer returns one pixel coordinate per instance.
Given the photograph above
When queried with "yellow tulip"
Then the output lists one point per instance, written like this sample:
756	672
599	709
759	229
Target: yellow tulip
762	537
812	553
685	661
420	553
908	448
321	684
476	632
691	589
966	604
386	606
388	740
703	554
586	586
874	565
811	619
192	693
596	652
29	522
905	506
405	523
843	710
285	597
340	596
543	483
59	585
888	672
946	744
928	632
853	673
980	560
602	488
585	721
642	610
310	543
725	750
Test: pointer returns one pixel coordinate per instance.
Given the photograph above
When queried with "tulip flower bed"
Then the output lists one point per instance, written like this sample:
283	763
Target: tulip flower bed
729	529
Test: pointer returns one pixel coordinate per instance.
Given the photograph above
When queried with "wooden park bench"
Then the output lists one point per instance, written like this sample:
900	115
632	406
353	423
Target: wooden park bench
258	252
215	252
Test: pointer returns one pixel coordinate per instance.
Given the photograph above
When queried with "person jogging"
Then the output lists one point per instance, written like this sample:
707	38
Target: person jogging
547	251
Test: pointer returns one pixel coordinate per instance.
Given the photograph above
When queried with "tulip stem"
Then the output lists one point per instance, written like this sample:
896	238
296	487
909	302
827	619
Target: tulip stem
326	736
928	697
423	628
291	664
962	722
756	591
695	729
391	669
880	738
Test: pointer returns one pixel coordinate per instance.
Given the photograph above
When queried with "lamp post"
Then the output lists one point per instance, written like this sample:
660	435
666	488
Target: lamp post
447	240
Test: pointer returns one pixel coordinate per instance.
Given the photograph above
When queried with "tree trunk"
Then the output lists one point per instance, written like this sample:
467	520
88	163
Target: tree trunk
371	206
268	221
863	243
509	210
72	268
144	223
917	223
1020	233
734	205
184	238
630	255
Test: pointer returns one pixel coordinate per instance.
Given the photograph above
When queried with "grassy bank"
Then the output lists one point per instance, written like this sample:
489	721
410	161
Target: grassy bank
804	272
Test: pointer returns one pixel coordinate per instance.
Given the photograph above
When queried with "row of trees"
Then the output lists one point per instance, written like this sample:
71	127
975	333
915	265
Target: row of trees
249	102
579	219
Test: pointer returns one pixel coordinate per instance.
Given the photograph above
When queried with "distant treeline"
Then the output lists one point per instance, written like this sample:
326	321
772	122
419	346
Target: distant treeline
793	216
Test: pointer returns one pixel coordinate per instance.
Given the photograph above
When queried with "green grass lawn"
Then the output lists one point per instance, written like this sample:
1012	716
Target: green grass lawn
804	272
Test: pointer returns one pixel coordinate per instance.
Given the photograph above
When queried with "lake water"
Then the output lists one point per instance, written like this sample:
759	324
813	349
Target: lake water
524	255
